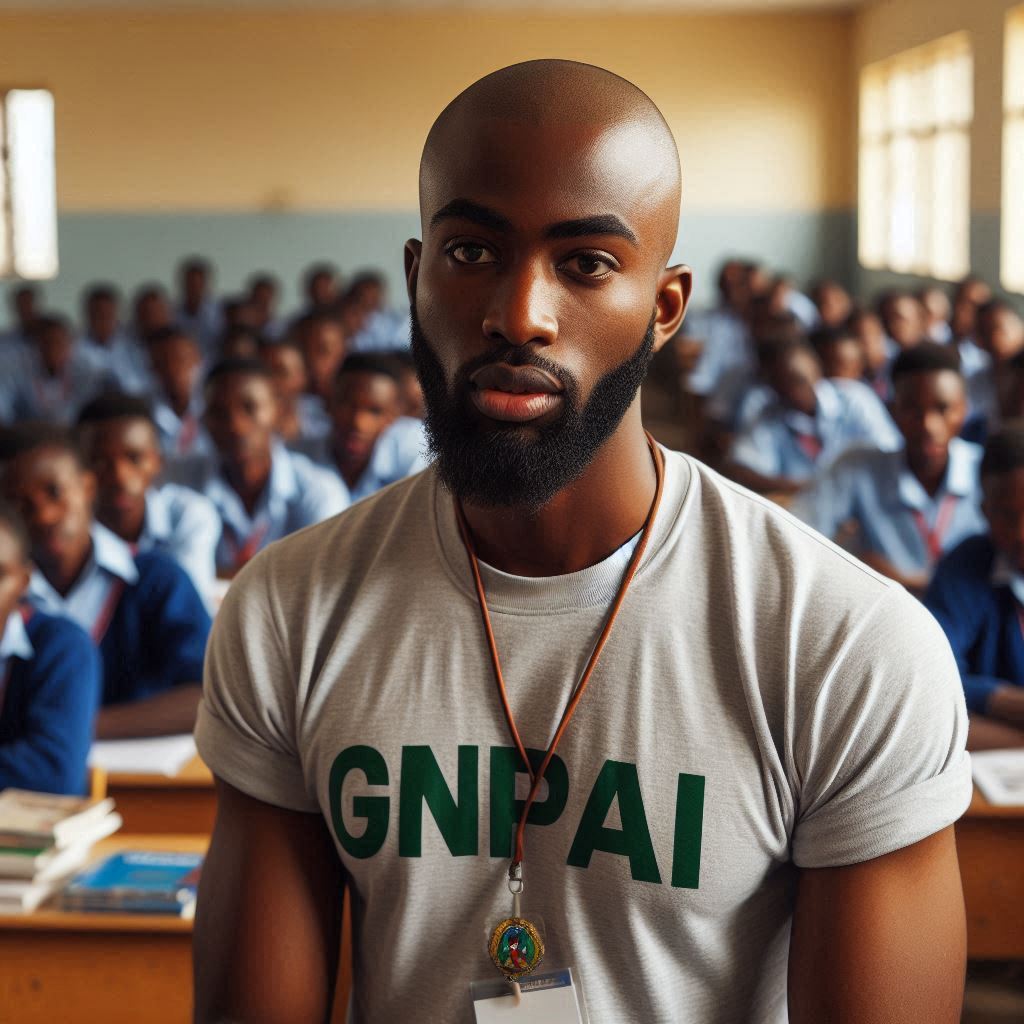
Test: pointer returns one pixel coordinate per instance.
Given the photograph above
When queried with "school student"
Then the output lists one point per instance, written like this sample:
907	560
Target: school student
907	507
1000	335
322	341
50	680
321	285
177	397
24	301
302	417
141	610
120	442
977	596
409	384
106	341
261	490
371	444
808	424
55	378
198	312
263	291
833	303
841	353
905	320
866	327
937	312
383	329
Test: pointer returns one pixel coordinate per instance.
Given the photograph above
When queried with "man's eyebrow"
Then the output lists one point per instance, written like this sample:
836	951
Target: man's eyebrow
599	224
466	209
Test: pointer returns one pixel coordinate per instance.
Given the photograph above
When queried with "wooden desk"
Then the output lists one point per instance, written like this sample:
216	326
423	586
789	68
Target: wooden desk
99	968
182	804
990	843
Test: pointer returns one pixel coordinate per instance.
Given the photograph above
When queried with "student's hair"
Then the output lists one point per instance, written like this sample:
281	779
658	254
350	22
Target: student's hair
994	306
12	520
50	322
312	319
24	289
116	405
101	292
315	270
237	367
772	352
1004	450
30	436
926	357
195	264
172	332
371	362
825	336
148	291
262	280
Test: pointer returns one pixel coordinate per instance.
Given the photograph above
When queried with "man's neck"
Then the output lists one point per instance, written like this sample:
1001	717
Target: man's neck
930	477
249	479
584	523
62	574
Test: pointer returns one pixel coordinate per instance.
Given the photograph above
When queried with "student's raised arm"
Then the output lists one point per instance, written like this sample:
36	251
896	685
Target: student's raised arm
881	941
268	919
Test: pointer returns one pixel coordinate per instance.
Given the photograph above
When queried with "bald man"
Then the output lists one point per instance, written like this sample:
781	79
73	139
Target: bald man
747	816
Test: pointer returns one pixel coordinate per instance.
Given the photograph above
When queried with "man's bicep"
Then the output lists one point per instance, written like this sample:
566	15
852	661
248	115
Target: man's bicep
881	941
269	916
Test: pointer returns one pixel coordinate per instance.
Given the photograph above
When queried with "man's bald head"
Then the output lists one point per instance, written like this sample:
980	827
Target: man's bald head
579	121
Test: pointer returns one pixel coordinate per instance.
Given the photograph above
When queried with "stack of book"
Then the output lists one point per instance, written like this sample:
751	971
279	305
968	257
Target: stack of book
137	881
43	840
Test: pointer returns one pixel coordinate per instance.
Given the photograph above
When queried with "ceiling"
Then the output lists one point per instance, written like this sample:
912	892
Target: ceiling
623	6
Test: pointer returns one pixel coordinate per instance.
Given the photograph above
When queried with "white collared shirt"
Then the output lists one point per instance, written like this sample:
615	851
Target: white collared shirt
123	358
298	494
181	436
185	525
91	600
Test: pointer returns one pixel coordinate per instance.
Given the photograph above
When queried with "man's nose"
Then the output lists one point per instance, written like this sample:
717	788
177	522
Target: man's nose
520	310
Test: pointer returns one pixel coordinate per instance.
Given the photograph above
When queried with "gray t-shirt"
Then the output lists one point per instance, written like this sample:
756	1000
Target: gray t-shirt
765	703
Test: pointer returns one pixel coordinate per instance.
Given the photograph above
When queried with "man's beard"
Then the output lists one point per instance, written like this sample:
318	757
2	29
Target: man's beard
501	466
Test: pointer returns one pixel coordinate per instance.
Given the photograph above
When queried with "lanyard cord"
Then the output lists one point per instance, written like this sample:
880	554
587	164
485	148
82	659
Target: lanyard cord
577	694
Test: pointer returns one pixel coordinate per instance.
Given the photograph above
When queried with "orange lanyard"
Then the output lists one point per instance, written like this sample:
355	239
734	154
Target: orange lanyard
577	694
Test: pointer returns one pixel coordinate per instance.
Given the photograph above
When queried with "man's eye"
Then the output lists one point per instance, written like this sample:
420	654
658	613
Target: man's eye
589	265
468	252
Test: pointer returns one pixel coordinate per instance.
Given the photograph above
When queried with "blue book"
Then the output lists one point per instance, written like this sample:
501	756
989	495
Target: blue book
137	881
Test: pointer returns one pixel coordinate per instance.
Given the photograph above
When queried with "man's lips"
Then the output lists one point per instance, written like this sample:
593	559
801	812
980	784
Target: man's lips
514	394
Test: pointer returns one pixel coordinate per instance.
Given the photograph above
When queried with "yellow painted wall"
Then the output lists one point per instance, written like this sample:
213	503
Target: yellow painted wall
896	25
328	110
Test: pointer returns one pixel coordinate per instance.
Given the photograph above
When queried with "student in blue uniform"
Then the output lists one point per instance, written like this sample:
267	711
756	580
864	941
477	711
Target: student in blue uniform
108	344
142	611
302	418
56	377
841	353
322	340
908	507
261	490
1000	331
177	370
50	679
121	446
198	312
371	444
808	424
24	301
978	597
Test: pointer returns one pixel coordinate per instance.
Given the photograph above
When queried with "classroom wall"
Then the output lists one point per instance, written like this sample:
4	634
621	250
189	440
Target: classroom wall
269	139
892	26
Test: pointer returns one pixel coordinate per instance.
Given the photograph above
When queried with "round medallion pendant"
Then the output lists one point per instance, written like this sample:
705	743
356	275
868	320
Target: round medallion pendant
516	947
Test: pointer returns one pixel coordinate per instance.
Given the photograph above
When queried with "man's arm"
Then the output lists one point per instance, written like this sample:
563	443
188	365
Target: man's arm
268	919
881	941
163	714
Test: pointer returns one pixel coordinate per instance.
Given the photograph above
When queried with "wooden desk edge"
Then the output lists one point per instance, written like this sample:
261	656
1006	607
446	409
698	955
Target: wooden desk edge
48	918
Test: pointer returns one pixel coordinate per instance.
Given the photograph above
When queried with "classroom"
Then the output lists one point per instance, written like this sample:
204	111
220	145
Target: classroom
511	511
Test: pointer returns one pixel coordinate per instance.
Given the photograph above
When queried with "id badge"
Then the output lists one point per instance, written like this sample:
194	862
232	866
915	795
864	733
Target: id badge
553	997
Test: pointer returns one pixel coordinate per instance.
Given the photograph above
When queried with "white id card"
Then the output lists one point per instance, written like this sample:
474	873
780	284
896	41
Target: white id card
549	998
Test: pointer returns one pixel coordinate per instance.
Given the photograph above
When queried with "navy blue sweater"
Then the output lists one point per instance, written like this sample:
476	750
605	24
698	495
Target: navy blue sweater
980	619
46	724
157	636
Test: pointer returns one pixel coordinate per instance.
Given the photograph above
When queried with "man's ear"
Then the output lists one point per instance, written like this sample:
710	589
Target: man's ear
674	287
413	249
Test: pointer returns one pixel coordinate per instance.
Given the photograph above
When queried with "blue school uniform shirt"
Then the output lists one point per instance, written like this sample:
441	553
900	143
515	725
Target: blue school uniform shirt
727	366
185	525
32	394
895	515
385	330
299	493
978	600
123	358
181	437
51	691
786	443
142	611
205	325
400	451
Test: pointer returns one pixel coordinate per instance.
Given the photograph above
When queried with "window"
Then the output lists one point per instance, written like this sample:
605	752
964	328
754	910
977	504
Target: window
1012	262
915	119
28	196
